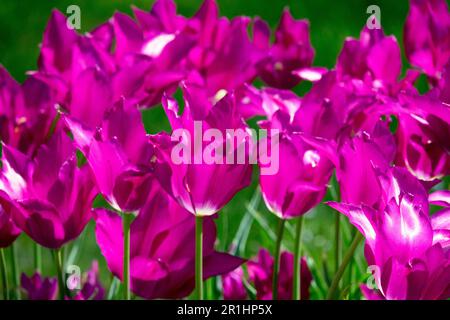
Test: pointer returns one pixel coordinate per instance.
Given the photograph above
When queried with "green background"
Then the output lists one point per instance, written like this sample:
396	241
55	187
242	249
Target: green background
22	23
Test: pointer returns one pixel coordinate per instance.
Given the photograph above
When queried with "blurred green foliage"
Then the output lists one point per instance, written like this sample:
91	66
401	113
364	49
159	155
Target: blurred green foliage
22	23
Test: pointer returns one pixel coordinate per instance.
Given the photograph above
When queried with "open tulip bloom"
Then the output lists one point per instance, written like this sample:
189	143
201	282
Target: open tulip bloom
149	131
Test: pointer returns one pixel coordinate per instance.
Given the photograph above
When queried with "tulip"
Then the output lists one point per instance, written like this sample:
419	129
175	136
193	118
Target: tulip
426	36
26	112
8	229
407	248
260	274
374	55
162	248
299	184
223	57
50	197
423	147
92	288
291	51
38	287
232	285
121	158
192	176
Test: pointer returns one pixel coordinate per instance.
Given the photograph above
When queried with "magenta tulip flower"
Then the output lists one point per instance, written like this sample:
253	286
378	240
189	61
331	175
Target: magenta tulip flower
223	57
8	229
303	172
444	85
91	287
291	51
374	56
120	156
26	112
37	287
162	248
427	36
150	54
260	274
232	285
358	164
423	147
50	197
407	249
203	182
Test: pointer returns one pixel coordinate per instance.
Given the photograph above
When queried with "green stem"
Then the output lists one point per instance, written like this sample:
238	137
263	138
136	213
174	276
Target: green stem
345	261
199	257
337	242
57	256
37	257
296	287
127	219
276	263
4	275
16	280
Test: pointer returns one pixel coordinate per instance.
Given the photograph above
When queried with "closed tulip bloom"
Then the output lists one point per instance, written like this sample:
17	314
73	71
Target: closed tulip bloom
50	196
162	248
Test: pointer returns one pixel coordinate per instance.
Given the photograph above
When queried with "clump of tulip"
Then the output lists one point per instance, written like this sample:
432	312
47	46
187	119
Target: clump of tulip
362	143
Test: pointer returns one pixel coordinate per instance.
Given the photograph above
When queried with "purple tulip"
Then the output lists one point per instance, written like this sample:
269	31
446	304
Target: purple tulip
8	229
50	197
232	285
444	85
162	248
374	56
26	112
303	172
358	163
291	51
406	247
427	36
149	54
260	274
92	288
120	156
201	186
37	287
223	57
422	137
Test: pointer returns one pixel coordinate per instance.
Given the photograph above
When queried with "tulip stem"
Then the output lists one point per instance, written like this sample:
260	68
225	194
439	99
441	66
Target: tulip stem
57	255
14	269
37	257
3	271
296	287
276	263
199	257
345	261
127	219
337	242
